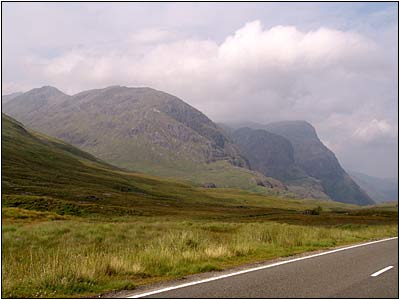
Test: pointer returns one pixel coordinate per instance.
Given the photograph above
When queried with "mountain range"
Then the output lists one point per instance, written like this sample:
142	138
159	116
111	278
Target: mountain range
149	131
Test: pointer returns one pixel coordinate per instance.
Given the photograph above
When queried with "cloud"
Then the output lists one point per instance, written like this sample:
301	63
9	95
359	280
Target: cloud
342	80
374	130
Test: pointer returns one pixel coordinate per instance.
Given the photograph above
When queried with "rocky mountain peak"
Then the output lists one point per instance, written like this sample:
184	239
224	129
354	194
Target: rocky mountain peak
293	129
45	90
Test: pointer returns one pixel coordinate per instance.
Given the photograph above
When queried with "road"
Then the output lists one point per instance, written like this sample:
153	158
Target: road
341	273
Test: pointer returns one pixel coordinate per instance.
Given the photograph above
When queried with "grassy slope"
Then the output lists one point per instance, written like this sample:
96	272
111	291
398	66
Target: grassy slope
73	225
45	174
34	165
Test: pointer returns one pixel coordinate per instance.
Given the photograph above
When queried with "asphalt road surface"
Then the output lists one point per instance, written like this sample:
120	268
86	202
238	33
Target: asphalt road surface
368	271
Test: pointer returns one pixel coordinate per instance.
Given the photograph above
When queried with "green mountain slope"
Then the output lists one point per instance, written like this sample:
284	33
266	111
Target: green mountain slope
45	174
140	129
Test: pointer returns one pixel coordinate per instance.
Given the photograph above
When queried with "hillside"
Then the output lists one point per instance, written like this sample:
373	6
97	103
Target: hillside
94	228
140	129
379	189
69	180
45	174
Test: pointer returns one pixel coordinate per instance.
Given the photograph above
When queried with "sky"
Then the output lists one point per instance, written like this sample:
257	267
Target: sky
331	64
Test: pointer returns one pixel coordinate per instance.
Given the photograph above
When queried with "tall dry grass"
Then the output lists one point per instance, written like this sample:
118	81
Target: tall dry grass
69	258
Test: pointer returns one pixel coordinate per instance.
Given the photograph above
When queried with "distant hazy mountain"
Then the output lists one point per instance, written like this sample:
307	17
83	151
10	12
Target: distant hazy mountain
379	189
140	129
6	98
273	156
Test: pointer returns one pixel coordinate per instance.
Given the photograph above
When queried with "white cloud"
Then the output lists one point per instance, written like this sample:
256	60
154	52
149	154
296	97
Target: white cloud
373	130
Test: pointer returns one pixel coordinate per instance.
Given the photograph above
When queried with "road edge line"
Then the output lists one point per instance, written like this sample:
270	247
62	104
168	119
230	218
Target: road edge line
256	269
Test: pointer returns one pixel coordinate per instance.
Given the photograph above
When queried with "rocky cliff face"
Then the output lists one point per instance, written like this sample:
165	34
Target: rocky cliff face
267	153
273	155
311	155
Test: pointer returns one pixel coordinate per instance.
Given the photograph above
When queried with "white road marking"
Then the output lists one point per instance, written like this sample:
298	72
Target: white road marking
256	269
381	271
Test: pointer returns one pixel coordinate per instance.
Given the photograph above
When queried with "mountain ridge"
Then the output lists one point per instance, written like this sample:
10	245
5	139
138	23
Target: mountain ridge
143	130
153	132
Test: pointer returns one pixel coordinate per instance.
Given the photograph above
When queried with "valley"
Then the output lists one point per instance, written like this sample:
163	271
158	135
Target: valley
96	228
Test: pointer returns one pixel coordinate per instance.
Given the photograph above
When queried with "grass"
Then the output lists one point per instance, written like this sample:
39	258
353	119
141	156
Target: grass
80	257
75	226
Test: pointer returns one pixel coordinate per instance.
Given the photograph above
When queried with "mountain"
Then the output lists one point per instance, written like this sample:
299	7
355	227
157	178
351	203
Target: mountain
40	173
6	98
45	179
140	129
379	189
311	155
273	156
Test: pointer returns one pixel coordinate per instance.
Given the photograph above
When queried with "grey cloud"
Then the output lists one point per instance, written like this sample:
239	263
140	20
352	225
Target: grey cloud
330	68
